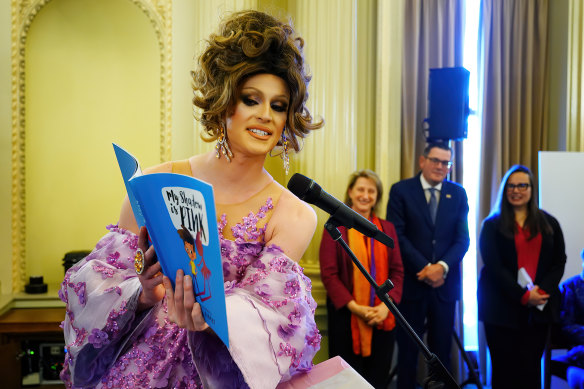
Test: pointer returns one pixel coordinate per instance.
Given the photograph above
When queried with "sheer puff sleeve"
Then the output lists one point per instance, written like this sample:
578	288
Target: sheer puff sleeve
270	314
101	293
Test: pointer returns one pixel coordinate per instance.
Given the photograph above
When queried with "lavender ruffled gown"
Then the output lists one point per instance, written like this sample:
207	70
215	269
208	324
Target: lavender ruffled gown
270	314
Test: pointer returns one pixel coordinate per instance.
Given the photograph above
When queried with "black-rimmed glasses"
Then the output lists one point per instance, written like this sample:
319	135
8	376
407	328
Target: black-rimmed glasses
437	161
520	187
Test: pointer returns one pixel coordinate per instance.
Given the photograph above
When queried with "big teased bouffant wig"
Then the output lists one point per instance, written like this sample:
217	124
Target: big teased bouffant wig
250	43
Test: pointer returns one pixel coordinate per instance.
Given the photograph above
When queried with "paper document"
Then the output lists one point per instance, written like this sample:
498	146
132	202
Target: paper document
525	281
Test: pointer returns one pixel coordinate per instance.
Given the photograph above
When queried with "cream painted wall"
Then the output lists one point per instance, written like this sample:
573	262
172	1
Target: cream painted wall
184	42
5	151
92	78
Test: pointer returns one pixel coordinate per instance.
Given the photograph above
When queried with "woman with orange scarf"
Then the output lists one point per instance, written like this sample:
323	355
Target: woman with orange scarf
360	326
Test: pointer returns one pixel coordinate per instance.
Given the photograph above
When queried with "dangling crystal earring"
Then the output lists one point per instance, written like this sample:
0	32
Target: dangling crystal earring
284	154
222	147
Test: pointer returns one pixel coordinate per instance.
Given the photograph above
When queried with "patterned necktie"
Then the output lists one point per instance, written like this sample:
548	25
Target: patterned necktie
433	204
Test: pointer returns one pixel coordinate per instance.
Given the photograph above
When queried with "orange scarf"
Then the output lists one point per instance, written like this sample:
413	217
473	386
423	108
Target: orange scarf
363	293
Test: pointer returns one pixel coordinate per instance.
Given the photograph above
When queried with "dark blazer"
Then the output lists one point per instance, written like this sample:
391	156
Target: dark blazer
422	242
499	294
336	267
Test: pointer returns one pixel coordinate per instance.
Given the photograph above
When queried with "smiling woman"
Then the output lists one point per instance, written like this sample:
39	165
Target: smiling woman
259	117
523	251
518	192
360	325
364	192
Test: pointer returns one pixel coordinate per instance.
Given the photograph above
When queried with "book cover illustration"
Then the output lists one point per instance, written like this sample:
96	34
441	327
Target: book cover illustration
179	212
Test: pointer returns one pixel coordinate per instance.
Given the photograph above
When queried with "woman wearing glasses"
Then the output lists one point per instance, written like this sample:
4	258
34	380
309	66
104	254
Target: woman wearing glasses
522	248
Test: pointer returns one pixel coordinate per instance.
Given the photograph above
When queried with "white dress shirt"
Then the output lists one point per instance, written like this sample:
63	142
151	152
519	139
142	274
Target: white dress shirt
426	186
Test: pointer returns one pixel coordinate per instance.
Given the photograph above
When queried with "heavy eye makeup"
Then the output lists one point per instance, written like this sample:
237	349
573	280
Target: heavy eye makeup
250	100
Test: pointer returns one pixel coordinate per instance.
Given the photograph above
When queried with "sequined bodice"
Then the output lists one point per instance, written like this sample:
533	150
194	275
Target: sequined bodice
262	285
249	241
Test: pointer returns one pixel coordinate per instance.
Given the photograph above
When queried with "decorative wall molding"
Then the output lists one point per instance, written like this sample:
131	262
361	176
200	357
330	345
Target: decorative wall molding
23	13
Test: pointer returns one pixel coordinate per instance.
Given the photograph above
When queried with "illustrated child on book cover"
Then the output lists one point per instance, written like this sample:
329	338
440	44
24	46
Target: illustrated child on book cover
190	244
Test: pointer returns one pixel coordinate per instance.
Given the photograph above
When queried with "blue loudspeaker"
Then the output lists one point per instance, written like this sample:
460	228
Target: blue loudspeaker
448	104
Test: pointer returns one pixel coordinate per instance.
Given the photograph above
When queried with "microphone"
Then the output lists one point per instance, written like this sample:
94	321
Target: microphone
308	190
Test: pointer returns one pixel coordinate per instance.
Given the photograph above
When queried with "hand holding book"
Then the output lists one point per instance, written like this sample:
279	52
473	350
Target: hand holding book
151	277
537	297
179	213
181	305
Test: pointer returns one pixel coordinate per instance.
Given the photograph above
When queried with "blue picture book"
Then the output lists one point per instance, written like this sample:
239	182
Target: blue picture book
179	213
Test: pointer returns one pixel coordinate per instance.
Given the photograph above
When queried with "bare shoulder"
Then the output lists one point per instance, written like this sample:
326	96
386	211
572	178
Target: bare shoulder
127	219
292	225
165	167
295	210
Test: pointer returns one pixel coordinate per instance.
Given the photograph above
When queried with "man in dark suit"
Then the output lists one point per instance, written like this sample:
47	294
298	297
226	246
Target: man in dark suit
430	216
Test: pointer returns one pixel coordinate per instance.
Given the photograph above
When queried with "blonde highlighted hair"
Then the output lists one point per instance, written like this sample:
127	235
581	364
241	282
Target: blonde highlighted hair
249	43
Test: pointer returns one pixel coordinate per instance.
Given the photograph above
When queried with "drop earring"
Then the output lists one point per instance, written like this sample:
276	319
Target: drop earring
284	155
222	147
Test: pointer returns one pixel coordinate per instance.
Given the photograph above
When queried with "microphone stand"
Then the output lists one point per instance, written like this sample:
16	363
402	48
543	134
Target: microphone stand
438	376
